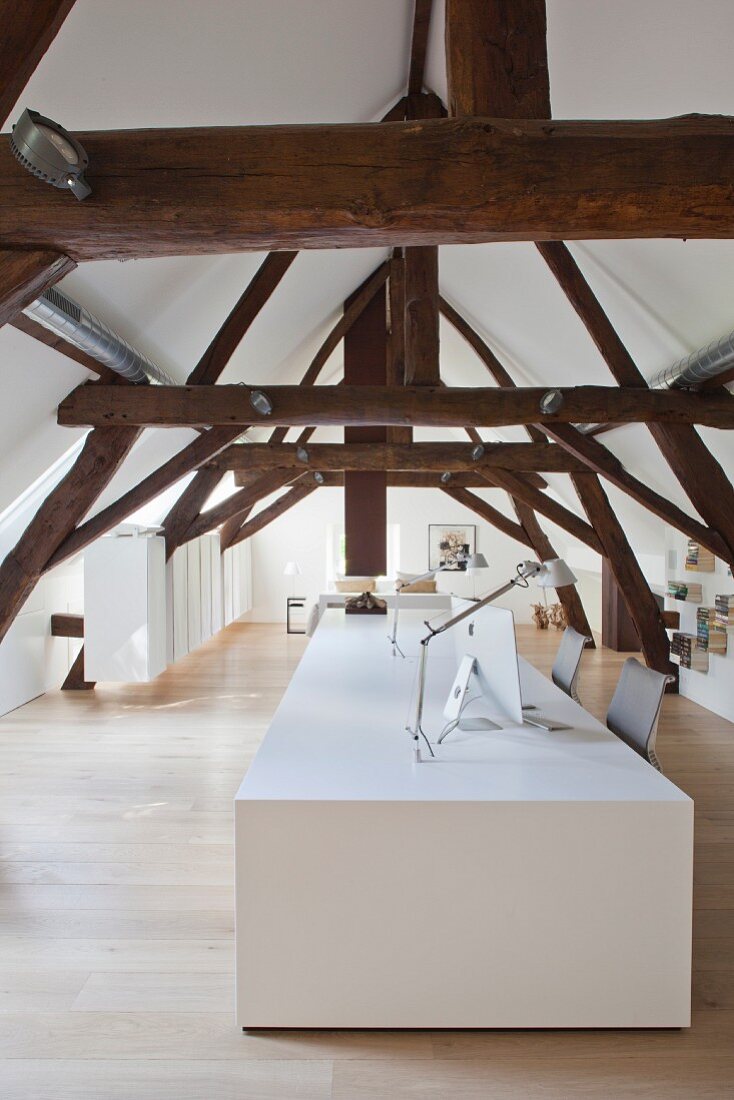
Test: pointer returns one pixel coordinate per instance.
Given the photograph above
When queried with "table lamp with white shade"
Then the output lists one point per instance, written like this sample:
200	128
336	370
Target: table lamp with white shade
475	563
292	569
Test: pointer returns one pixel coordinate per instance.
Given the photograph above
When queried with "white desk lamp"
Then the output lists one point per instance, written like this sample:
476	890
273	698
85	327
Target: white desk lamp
292	569
400	585
548	574
473	566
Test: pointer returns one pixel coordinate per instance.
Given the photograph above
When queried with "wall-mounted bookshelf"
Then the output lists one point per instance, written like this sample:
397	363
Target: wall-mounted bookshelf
699	559
710	636
684	647
725	611
685	590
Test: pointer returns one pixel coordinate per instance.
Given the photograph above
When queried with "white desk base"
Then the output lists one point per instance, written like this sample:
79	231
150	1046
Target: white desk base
526	879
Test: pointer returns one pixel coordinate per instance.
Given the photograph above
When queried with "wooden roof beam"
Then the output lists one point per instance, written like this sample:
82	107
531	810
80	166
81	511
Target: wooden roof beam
206	191
358	406
27	32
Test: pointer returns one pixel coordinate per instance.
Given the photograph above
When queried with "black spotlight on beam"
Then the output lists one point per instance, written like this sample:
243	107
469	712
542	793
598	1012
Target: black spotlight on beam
50	153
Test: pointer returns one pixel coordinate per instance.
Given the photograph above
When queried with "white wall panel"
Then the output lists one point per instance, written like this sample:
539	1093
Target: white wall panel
180	563
194	593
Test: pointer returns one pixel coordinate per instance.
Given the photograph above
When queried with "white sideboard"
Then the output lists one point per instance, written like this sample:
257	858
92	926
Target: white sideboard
125	609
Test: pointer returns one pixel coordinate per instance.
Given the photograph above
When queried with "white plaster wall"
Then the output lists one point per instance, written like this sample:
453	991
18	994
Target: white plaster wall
303	534
713	689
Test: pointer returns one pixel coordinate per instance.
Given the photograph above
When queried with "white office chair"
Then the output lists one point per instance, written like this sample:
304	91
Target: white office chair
565	671
635	708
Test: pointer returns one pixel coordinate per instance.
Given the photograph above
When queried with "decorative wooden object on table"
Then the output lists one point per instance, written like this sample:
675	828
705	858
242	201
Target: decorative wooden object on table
366	604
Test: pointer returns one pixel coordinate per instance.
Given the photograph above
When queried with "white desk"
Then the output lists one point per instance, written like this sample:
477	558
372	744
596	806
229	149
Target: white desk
524	879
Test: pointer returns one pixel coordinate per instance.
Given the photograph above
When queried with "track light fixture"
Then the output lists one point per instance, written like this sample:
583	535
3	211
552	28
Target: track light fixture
477	452
302	454
49	152
319	478
551	401
261	402
445	477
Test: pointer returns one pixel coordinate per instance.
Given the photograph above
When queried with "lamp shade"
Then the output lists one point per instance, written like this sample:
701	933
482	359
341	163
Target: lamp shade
292	569
477	561
555	574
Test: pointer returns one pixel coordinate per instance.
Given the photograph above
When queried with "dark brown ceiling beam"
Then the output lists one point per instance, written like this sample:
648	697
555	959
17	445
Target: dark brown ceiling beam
554	511
488	513
421	317
259	290
260	485
487	356
352	312
273	511
52	340
208	370
496	58
392	456
407	479
206	191
700	475
25	275
640	601
28	29
396	337
359	406
543	548
189	458
597	458
419	46
66	504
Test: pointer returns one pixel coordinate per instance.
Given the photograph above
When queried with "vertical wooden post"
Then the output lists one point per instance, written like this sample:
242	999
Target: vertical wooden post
365	492
640	601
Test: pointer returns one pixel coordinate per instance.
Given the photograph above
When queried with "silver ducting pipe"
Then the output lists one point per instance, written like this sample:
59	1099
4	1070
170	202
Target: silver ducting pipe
698	367
691	371
62	315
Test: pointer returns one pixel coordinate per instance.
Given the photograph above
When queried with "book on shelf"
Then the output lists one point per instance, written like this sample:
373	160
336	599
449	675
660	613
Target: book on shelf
725	611
699	559
710	636
685	648
685	590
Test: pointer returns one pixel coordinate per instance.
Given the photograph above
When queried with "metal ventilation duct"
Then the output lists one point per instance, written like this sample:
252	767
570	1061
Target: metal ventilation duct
698	367
64	316
691	371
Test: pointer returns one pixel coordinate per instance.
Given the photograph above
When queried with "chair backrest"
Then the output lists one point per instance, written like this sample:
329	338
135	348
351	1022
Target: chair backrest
635	708
568	661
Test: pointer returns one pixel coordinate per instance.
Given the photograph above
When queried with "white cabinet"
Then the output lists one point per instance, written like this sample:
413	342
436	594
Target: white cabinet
125	609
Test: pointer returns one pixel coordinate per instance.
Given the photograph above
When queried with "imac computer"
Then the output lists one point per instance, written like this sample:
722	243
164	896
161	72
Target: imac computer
486	650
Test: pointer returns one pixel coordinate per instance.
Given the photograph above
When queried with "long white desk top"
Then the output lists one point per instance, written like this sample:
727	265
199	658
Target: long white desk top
339	733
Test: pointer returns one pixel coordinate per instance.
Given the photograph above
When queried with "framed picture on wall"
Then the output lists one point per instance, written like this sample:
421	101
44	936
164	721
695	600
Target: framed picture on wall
449	543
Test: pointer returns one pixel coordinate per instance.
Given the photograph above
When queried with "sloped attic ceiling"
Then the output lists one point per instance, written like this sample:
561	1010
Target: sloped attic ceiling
171	63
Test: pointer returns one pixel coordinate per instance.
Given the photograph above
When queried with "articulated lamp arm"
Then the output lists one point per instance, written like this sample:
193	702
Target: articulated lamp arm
525	570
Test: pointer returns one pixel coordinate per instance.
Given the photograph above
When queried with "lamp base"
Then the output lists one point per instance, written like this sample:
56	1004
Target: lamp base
477	724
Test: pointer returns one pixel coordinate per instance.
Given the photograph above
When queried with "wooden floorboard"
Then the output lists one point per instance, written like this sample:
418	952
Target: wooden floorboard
116	921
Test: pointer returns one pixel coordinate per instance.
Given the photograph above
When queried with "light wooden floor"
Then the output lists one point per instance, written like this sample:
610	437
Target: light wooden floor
116	924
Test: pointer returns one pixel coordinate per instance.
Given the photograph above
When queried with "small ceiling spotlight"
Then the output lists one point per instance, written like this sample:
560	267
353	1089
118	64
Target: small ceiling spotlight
50	153
477	452
319	478
261	402
302	454
551	401
446	477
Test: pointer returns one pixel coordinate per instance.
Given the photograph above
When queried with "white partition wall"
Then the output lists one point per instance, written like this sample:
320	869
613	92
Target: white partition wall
125	609
180	602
